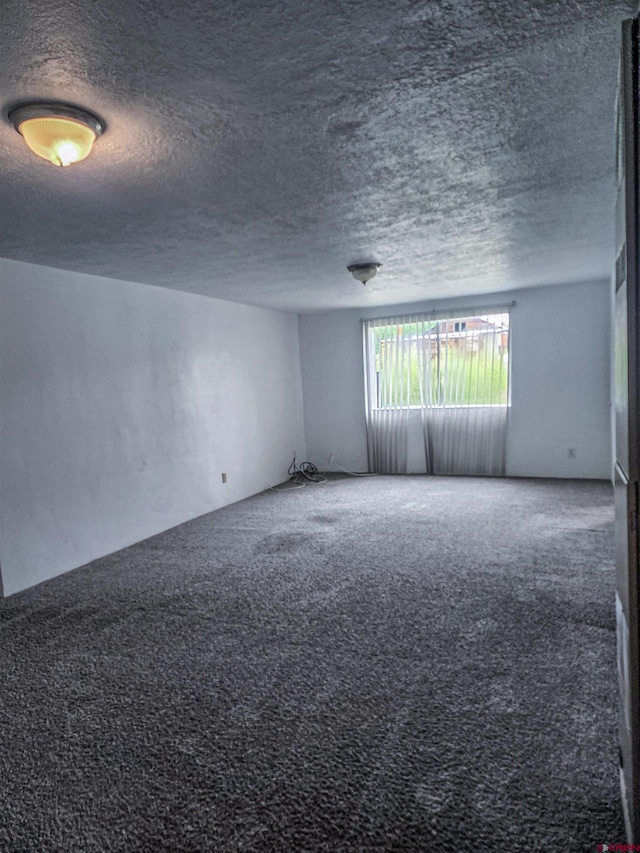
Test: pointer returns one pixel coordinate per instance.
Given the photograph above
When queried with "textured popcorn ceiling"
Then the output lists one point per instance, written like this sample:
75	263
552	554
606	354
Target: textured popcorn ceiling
254	149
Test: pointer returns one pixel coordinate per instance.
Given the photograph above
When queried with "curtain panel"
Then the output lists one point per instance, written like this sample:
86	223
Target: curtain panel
450	369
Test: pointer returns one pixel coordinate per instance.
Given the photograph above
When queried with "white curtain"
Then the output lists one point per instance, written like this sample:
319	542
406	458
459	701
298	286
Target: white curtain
387	369
451	370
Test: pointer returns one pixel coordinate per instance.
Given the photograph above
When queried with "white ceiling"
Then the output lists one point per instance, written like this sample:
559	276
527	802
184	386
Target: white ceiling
253	150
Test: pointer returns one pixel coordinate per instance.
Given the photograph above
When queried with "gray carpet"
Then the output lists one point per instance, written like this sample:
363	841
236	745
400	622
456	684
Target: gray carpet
382	664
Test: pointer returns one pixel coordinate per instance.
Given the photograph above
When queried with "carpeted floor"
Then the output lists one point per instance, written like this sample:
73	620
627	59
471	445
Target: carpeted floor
382	664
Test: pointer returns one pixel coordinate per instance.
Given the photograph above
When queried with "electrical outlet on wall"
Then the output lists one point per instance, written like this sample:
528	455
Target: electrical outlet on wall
224	478
332	459
571	453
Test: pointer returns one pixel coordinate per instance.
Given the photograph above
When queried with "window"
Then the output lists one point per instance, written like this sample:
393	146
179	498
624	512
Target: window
439	361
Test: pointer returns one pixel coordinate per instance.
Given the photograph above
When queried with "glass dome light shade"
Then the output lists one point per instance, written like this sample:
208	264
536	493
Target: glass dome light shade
364	272
59	132
62	141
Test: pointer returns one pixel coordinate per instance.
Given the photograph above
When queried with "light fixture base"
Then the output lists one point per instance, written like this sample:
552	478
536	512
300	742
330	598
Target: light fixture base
54	109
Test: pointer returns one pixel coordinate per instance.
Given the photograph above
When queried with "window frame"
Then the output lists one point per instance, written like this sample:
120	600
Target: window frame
454	318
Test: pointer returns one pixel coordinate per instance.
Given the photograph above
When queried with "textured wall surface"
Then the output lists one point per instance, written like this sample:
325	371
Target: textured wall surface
122	405
254	150
560	358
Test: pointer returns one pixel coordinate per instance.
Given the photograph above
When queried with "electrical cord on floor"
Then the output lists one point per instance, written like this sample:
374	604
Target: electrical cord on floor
307	472
300	475
286	488
354	473
332	461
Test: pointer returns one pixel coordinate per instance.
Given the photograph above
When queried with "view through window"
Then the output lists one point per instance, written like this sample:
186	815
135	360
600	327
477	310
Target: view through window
448	361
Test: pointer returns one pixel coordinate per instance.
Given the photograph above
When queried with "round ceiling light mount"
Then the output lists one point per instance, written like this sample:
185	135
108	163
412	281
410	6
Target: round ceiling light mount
364	272
58	132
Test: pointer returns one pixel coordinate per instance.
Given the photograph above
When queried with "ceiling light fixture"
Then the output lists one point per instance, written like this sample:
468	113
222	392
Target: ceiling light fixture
60	133
363	272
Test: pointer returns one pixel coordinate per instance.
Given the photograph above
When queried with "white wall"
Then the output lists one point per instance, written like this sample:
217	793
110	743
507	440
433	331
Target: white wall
560	355
121	406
